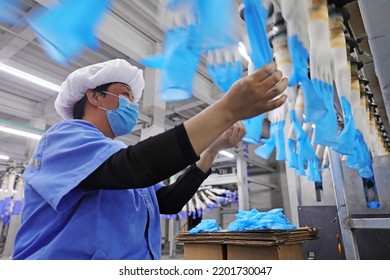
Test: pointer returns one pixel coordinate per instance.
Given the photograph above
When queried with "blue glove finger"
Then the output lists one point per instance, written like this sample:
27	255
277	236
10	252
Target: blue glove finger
225	76
305	149
314	106
301	167
256	18
180	64
217	25
266	149
65	30
296	125
299	59
366	171
292	155
356	160
326	130
279	141
313	171
253	127
9	12
347	135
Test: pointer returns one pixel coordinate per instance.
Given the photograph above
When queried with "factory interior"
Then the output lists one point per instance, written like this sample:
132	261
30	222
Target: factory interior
327	200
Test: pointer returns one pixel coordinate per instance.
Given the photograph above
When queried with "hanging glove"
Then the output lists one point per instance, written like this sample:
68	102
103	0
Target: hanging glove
356	159
68	28
253	127
256	14
314	105
265	150
366	171
299	59
347	135
292	155
279	141
326	130
178	62
305	150
313	171
224	67
219	25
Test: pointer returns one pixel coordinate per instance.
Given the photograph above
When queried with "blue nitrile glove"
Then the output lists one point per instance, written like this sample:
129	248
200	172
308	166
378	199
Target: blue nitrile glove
366	171
305	150
255	220
9	11
313	171
299	58
264	151
178	63
217	25
208	225
256	16
314	106
347	135
279	141
68	28
326	130
224	76
292	155
253	127
356	160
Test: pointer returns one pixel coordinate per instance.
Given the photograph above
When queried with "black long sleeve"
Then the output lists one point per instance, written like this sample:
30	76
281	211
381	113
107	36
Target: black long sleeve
144	164
172	198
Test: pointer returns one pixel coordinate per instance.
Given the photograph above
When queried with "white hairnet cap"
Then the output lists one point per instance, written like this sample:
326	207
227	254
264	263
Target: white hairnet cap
78	82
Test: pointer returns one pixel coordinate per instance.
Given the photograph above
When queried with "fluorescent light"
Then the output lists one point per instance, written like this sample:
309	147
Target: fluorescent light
226	154
20	133
243	52
29	77
4	157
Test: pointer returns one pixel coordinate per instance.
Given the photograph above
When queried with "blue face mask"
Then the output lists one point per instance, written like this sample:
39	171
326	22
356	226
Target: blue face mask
122	119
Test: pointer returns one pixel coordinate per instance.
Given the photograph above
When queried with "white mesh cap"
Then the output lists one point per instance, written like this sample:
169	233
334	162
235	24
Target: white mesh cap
78	82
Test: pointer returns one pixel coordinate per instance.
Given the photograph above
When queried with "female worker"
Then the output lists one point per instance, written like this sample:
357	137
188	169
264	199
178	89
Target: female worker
88	196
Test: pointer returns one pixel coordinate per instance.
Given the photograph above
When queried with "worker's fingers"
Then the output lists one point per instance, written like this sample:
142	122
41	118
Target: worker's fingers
279	101
277	89
263	72
236	130
270	82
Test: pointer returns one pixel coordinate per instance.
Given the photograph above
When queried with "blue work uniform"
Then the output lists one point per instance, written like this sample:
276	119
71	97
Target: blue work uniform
61	221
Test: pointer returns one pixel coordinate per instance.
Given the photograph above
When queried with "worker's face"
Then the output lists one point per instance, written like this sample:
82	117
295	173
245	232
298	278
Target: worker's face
110	102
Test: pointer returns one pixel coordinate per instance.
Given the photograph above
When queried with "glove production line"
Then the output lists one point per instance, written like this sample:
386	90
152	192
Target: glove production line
328	143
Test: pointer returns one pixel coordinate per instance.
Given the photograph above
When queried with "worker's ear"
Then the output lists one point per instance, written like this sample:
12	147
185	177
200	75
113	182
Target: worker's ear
92	98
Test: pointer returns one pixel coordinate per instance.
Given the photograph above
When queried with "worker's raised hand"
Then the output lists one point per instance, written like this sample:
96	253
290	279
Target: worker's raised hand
257	93
230	138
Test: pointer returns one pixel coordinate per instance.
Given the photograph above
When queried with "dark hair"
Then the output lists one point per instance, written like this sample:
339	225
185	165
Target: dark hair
79	107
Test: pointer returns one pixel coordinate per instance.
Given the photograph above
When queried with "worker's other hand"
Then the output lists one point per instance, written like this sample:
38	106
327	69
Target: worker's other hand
256	94
230	138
